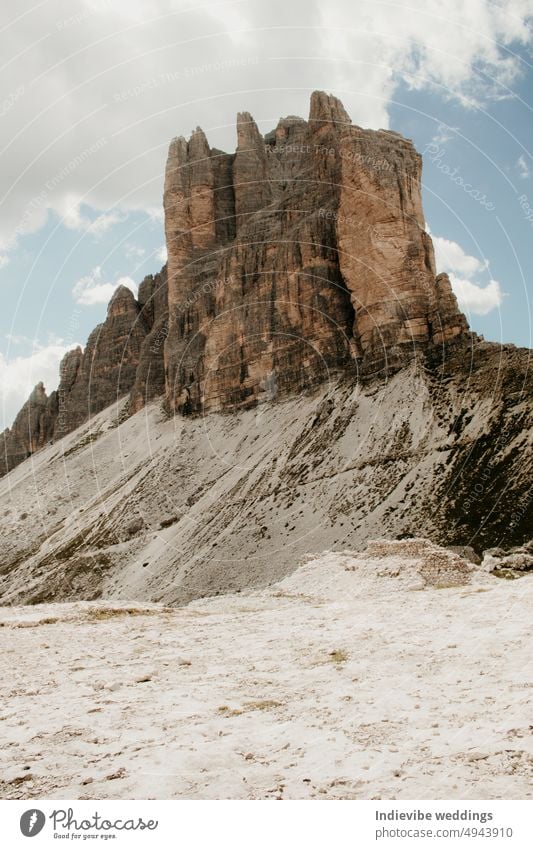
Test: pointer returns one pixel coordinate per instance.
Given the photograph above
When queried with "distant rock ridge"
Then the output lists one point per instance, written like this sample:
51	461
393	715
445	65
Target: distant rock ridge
122	355
302	254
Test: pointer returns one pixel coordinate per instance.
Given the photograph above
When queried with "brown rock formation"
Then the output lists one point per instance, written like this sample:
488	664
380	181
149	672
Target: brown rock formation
32	428
107	368
302	254
122	355
150	372
323	262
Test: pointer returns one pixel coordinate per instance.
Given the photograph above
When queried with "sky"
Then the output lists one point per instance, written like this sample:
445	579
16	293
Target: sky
92	91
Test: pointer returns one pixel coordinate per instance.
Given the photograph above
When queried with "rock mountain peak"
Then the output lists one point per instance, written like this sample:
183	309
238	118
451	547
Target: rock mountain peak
302	254
299	269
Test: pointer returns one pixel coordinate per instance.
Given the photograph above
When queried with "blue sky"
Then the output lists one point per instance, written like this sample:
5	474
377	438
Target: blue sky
93	91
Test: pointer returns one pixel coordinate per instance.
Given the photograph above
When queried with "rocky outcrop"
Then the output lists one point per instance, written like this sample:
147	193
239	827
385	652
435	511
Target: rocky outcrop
299	258
123	355
107	368
511	563
31	430
323	263
150	373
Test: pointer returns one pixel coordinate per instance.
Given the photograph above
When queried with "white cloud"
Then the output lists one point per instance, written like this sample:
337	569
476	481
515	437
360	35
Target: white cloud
443	134
451	257
92	289
106	85
104	222
69	209
19	375
162	254
523	167
473	296
134	251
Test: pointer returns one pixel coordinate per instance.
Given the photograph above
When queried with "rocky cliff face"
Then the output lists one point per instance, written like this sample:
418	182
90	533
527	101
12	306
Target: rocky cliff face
123	355
299	271
150	373
302	254
31	430
106	370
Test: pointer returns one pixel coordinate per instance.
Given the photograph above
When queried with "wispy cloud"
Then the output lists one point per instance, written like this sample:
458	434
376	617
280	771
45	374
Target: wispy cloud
92	289
474	296
523	168
443	134
19	374
134	251
67	137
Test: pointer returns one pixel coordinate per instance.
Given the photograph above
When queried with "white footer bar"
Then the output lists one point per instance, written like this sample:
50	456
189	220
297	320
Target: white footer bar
268	824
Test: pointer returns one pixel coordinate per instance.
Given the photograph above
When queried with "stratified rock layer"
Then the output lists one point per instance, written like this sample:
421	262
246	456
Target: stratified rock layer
302	254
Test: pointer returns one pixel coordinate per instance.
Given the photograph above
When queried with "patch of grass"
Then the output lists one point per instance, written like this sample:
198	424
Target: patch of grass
225	710
100	613
51	620
90	437
506	574
298	596
446	585
338	656
123	415
262	704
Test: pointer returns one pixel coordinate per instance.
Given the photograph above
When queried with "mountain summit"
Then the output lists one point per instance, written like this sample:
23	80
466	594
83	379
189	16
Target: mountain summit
302	253
301	296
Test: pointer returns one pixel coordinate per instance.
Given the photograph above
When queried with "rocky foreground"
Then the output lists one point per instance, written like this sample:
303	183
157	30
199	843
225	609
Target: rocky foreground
403	672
